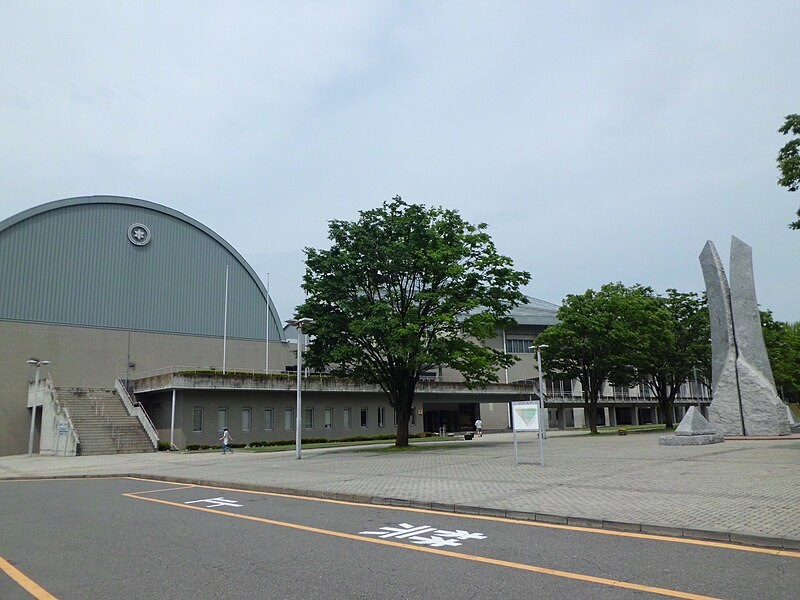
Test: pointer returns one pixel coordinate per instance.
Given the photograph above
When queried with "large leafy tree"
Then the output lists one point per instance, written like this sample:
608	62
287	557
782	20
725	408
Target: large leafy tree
789	159
598	339
675	346
403	289
783	347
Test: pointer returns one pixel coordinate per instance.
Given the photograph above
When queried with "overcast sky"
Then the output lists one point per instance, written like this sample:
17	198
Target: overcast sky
600	141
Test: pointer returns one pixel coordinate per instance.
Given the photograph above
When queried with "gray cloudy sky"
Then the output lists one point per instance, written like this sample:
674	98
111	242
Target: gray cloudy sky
601	141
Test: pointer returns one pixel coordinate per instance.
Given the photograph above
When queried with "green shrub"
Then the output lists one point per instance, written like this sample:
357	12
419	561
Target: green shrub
163	445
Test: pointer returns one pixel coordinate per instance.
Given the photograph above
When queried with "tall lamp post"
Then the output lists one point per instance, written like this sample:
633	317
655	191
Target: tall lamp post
299	324
38	363
542	419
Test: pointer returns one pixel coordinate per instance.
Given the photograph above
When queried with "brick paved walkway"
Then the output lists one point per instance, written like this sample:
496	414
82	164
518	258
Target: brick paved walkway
742	491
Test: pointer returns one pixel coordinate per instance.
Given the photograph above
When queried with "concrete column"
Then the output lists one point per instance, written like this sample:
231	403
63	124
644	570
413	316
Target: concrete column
635	415
611	417
579	416
562	421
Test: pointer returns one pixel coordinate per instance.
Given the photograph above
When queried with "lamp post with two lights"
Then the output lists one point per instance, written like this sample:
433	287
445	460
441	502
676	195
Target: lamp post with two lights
299	324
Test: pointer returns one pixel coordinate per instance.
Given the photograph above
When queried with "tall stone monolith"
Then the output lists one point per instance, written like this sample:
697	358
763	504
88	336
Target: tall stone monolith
744	398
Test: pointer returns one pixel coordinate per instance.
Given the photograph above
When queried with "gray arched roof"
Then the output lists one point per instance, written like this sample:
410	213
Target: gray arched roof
536	312
71	262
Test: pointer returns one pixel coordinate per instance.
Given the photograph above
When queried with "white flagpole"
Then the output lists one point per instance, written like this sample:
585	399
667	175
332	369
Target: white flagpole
225	325
266	367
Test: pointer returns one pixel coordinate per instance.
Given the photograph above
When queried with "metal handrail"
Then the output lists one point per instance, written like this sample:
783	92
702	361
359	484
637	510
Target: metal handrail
131	405
61	409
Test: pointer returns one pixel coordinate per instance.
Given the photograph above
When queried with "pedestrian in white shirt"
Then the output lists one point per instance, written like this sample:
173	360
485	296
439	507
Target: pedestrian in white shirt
226	441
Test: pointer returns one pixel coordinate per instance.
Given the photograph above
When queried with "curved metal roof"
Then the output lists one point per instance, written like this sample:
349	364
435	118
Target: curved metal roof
74	261
536	312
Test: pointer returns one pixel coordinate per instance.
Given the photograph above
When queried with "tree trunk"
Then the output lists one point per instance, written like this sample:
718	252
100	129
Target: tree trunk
403	417
666	411
403	402
590	410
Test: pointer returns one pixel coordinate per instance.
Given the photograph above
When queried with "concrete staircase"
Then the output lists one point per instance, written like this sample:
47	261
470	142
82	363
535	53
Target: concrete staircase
102	422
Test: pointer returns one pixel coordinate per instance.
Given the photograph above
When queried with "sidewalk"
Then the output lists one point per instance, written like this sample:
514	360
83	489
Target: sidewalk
741	491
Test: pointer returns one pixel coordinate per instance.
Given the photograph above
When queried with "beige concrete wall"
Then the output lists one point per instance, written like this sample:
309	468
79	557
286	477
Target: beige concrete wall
159	407
84	356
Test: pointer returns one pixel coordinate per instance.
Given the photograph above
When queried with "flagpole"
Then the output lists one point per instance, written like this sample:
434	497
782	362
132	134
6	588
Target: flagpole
225	325
266	363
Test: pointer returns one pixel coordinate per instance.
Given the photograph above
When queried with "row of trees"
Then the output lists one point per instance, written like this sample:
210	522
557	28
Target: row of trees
627	336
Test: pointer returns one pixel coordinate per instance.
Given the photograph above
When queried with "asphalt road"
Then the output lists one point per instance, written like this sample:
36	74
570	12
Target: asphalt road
127	538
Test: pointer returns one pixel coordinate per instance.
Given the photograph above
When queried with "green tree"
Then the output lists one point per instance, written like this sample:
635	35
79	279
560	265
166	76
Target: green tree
675	346
783	348
403	289
789	159
597	339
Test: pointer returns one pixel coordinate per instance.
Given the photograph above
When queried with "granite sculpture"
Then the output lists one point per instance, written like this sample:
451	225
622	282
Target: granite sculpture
693	430
745	402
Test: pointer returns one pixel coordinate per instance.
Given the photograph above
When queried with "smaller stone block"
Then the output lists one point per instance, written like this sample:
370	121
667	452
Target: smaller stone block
690	440
694	430
694	423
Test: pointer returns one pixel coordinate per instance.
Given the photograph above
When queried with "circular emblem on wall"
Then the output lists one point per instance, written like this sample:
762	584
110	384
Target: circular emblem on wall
138	234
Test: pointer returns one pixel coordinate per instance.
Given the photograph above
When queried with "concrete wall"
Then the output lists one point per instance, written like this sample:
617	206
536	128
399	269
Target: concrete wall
82	356
159	407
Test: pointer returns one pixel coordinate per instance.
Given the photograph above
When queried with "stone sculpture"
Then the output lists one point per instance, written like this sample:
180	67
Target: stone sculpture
745	401
694	430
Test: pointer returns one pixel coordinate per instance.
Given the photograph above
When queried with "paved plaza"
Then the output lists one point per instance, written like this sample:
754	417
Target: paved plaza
741	490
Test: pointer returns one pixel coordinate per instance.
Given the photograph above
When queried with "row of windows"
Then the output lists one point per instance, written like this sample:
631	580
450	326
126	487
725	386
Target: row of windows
198	418
519	346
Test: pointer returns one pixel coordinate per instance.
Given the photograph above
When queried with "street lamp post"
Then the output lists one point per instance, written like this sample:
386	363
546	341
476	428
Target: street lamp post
38	363
542	419
299	324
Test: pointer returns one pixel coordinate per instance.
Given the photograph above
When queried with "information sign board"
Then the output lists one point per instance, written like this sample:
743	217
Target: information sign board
525	416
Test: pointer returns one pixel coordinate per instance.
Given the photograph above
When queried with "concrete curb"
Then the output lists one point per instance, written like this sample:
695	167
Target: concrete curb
731	537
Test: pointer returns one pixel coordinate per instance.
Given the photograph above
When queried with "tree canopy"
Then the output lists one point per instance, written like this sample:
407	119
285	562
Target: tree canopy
629	335
677	350
403	289
597	339
783	347
789	159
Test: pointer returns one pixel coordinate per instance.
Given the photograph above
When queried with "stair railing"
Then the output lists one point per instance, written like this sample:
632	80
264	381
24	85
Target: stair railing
137	410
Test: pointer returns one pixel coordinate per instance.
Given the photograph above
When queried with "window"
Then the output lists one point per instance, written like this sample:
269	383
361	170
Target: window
197	420
288	419
519	347
348	418
364	417
381	416
247	419
328	418
268	423
308	418
413	416
222	418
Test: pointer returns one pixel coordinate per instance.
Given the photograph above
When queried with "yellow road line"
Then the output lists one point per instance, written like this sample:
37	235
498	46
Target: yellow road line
30	586
169	489
611	532
448	553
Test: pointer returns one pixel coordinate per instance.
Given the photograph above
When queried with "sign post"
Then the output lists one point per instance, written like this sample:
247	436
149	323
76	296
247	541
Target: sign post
525	417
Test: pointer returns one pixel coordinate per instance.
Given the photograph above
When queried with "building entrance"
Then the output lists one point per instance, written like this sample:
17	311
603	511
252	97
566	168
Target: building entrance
454	417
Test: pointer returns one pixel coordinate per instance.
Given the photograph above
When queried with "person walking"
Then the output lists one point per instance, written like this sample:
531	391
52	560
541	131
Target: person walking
479	427
226	441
